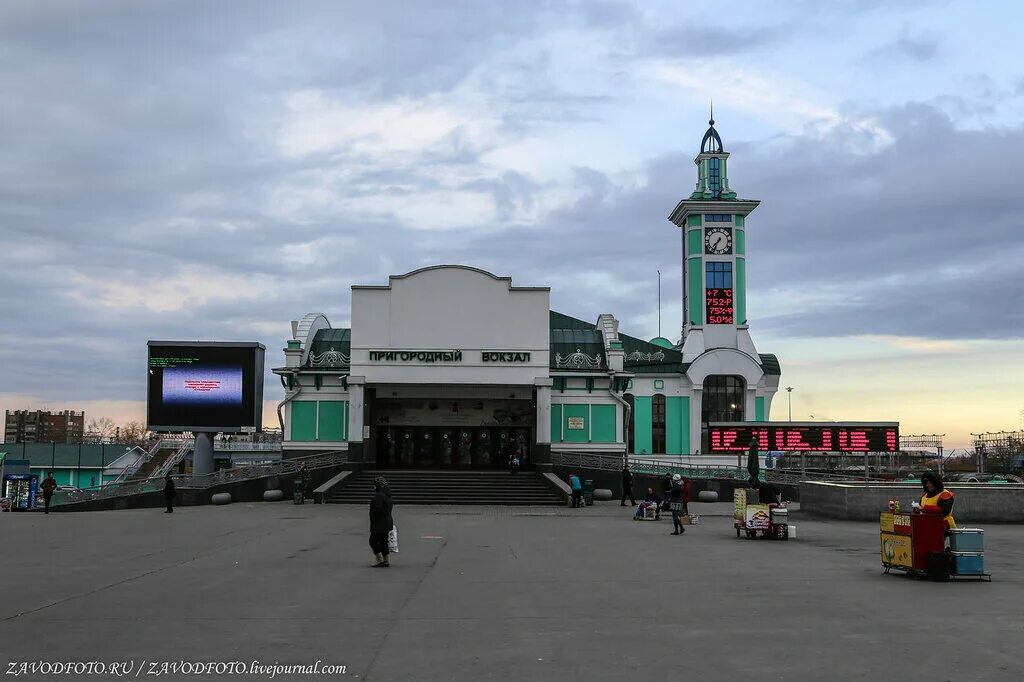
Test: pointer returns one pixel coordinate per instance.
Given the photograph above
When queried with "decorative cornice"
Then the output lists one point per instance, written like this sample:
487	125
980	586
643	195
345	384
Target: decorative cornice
578	360
331	358
637	356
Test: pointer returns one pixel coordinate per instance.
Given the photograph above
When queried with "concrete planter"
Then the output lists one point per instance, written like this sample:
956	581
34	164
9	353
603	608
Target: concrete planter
707	496
603	495
273	495
221	498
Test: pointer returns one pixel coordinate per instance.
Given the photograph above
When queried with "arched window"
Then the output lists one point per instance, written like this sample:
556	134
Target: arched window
723	399
631	424
658	438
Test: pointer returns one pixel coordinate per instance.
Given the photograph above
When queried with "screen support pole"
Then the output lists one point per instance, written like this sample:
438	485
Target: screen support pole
202	454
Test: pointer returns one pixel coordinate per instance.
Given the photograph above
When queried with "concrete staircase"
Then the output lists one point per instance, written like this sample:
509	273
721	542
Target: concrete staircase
451	487
159	457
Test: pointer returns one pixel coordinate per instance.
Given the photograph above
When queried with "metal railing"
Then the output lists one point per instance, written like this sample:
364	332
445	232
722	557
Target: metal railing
173	460
129	471
247	447
203	481
660	467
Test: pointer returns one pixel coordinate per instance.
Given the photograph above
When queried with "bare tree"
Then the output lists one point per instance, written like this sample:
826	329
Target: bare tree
101	429
134	433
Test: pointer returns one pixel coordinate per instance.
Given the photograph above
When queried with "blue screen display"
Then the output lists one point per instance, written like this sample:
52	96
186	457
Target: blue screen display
202	385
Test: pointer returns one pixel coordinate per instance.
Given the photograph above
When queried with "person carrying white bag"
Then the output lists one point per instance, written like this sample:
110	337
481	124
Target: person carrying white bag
393	540
382	525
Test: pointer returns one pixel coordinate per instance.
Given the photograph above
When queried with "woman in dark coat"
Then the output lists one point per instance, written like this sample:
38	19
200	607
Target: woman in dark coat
169	493
381	522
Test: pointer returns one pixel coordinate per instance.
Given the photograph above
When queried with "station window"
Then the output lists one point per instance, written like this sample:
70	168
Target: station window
718	217
714	176
658	424
718	275
723	399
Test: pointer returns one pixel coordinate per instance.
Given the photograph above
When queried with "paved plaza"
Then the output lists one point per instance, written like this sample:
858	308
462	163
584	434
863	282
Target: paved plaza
496	594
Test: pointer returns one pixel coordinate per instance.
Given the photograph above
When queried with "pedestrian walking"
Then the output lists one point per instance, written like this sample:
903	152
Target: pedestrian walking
169	493
381	522
577	491
677	504
666	491
753	465
627	487
48	486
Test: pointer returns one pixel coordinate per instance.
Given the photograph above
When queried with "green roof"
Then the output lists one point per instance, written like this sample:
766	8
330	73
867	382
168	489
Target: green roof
575	345
330	348
645	357
770	364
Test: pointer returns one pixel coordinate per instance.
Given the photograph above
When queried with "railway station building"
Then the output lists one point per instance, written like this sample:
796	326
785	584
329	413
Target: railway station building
451	366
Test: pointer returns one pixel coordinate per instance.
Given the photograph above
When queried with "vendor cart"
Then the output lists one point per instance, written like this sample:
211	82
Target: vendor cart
915	543
751	516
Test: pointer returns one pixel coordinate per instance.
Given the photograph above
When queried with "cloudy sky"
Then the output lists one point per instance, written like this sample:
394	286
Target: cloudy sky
213	170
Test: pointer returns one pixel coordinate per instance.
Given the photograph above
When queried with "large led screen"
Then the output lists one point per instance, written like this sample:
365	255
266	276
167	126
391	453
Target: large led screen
197	386
805	436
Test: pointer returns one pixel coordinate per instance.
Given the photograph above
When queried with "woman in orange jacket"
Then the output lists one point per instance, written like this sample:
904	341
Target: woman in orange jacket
936	499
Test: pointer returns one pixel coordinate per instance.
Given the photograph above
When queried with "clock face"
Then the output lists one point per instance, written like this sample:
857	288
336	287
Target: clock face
718	240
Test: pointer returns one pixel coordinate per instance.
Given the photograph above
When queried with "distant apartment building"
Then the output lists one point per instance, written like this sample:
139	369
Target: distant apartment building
38	426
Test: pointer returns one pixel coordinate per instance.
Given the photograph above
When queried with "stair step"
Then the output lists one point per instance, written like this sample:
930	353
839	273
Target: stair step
450	488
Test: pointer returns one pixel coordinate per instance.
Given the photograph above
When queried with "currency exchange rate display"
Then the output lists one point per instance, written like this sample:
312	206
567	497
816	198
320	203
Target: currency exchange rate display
204	386
735	437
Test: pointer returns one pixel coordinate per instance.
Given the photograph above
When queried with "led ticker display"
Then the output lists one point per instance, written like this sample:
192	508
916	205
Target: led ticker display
718	306
197	386
806	437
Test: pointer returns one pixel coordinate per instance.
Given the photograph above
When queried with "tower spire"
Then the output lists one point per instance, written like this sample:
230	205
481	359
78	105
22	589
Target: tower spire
711	120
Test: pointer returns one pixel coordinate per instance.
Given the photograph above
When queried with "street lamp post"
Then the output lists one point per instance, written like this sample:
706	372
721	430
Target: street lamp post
789	394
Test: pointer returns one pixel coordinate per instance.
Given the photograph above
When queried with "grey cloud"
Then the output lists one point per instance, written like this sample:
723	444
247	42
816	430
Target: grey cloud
920	47
126	112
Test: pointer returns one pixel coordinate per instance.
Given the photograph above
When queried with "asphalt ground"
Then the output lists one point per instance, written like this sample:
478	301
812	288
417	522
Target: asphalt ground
491	594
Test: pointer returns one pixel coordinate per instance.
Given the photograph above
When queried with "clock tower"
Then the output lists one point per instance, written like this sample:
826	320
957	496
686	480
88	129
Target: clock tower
727	379
714	256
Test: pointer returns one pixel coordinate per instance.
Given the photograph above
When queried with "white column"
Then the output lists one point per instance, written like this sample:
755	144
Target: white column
750	404
543	410
355	408
696	407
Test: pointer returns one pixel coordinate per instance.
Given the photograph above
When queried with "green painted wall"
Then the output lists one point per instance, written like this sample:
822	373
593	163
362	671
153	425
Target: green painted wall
677	425
604	419
694	243
304	420
759	409
575	435
693	220
642	424
556	423
741	291
741	242
696	290
740	221
333	424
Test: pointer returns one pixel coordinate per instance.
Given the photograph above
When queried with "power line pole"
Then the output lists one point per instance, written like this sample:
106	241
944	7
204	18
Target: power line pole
659	302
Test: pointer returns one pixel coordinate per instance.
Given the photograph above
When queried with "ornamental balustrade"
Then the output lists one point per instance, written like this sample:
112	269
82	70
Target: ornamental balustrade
578	360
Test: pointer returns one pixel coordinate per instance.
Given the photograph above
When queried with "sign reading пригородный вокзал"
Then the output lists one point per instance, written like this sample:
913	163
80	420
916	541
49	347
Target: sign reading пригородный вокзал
445	356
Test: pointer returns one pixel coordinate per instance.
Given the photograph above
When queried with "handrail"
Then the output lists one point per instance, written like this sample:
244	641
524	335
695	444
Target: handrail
173	460
660	467
202	481
129	471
